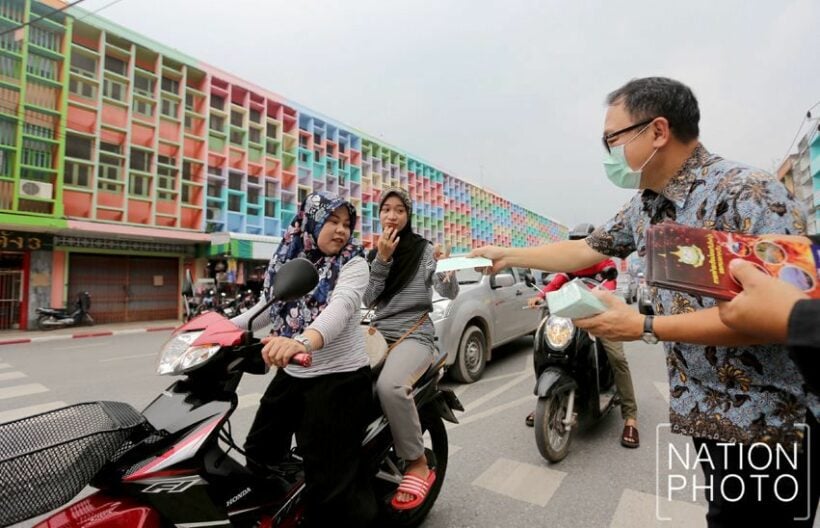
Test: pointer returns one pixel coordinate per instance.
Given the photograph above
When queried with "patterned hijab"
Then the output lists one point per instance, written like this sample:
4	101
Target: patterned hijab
300	240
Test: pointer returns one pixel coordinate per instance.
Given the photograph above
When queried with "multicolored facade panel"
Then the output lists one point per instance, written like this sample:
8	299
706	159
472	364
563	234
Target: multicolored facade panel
106	133
126	131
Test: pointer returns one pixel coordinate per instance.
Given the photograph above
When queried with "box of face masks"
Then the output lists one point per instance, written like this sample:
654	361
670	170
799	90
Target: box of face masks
574	301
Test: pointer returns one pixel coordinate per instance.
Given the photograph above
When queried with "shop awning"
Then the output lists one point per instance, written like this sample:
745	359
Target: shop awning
241	246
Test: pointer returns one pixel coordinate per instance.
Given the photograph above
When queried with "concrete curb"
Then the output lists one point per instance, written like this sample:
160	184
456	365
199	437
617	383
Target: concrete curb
83	335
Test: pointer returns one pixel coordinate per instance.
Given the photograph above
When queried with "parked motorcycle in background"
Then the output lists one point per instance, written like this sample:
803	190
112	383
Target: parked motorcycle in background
574	379
76	315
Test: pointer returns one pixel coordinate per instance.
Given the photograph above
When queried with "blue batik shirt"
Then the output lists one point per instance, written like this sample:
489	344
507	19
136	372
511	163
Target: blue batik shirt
734	394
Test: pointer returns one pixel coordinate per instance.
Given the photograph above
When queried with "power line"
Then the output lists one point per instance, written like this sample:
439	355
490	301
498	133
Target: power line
806	118
41	17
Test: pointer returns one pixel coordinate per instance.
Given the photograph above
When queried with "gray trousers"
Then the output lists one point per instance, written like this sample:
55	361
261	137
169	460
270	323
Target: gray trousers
404	366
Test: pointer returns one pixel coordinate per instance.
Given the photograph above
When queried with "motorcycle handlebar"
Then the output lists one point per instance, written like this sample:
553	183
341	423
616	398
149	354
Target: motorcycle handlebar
254	364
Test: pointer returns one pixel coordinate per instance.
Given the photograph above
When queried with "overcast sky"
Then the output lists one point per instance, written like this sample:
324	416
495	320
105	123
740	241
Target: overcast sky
510	93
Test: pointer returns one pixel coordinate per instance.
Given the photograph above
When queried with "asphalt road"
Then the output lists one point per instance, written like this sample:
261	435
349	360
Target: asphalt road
496	476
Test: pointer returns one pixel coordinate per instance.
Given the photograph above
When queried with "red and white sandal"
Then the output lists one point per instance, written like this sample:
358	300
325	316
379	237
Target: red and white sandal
415	486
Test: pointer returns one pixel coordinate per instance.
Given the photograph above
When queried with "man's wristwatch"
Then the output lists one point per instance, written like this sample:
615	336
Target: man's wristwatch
305	341
649	335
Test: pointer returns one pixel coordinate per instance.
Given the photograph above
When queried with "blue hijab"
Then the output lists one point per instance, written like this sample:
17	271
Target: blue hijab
300	240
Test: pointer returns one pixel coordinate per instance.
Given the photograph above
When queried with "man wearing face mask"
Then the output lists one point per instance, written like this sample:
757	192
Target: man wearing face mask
724	389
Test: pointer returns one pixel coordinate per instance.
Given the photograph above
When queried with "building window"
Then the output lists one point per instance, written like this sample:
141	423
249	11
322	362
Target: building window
256	116
83	64
78	147
42	66
82	88
255	135
214	171
170	108
237	119
235	181
253	196
217	102
139	184
143	108
114	90
186	195
166	181
187	173
217	123
167	160
109	172
140	160
116	65
77	174
272	130
235	203
237	137
144	85
170	85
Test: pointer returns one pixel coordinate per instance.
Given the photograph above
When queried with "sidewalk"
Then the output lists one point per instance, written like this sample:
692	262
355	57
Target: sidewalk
17	337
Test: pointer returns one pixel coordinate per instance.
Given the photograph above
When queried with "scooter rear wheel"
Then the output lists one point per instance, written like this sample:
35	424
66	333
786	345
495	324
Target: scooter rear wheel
552	436
42	323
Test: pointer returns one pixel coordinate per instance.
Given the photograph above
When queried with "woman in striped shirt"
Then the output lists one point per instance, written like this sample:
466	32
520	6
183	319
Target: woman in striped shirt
402	279
325	404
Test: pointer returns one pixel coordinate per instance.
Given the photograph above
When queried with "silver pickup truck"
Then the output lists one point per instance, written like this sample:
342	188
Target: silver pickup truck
487	312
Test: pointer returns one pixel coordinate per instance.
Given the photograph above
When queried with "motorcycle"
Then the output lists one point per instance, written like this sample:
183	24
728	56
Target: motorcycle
171	464
574	378
246	301
53	318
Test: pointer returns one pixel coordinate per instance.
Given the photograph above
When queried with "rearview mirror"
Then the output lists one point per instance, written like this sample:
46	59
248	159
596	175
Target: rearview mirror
504	280
529	279
294	279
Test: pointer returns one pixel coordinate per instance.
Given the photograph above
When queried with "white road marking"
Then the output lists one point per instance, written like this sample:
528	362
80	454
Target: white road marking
84	345
490	412
21	390
524	482
22	412
663	388
248	400
135	356
5	376
496	392
4	366
643	509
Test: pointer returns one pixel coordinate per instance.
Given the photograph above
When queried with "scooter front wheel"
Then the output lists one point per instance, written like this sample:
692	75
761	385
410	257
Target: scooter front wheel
552	435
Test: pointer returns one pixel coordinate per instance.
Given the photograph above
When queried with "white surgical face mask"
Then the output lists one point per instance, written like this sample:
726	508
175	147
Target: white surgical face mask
618	170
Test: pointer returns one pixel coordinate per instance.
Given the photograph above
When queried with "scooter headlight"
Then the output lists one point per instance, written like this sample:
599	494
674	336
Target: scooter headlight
559	332
179	354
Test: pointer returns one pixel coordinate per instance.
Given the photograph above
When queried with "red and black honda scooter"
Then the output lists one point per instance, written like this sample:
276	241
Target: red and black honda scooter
171	464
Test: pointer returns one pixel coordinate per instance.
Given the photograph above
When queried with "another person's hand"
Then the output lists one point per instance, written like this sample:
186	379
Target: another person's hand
441	252
618	323
494	253
762	309
533	301
387	243
278	351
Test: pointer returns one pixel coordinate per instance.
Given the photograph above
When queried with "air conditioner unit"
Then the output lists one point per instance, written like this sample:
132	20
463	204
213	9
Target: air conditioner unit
36	189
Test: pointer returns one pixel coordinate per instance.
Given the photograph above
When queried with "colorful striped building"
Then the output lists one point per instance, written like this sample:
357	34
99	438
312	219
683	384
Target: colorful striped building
123	162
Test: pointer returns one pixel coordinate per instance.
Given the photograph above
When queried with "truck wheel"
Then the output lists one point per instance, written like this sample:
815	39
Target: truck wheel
472	354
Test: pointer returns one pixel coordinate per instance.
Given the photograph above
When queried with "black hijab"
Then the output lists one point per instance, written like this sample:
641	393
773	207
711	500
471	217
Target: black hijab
408	253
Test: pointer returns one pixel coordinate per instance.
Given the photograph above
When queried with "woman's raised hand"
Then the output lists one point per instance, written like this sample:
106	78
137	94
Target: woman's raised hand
387	243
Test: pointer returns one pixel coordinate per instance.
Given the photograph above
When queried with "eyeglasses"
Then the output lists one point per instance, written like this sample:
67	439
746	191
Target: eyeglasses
608	137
